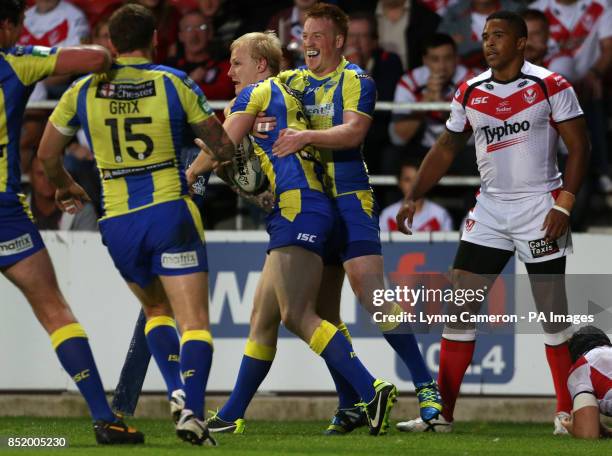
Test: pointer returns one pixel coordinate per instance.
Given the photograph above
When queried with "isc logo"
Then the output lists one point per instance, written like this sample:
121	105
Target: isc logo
81	376
307	237
479	100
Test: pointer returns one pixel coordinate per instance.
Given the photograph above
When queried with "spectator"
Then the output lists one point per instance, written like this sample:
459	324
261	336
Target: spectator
100	33
439	6
429	216
465	22
195	57
288	24
53	23
435	81
167	18
226	19
402	26
385	68
46	213
583	30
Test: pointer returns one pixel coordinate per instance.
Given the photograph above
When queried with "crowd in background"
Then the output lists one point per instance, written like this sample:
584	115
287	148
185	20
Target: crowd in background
415	50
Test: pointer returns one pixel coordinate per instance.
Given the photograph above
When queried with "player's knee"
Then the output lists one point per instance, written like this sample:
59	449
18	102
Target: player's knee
292	321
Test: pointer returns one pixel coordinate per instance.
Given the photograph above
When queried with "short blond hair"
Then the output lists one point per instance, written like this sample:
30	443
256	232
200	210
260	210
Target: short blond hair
262	45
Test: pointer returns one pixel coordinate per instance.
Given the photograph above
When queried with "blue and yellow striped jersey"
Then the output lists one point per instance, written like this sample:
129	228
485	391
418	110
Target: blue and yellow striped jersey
133	118
347	88
300	170
20	68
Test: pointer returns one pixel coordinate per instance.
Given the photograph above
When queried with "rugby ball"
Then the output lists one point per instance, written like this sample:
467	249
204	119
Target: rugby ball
246	172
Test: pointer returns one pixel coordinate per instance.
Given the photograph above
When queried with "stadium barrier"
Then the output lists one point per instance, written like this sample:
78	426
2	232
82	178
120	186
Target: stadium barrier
507	364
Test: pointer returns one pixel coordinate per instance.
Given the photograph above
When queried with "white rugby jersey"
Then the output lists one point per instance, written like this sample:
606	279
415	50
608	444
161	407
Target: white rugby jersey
65	25
432	217
410	88
592	373
514	125
576	29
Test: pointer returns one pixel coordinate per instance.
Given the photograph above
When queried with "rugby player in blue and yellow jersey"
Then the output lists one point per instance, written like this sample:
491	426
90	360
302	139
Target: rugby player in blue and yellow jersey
339	99
133	117
299	227
23	257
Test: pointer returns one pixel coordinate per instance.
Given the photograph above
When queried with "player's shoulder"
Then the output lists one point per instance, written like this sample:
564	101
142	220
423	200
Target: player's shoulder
554	82
468	85
354	71
176	76
597	354
166	70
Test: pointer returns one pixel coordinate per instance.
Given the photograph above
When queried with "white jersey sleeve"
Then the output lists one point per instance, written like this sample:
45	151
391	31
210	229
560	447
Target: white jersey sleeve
563	101
579	380
457	121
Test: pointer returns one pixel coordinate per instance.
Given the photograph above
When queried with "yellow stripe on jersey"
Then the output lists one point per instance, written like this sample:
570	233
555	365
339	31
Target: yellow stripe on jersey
4	140
133	118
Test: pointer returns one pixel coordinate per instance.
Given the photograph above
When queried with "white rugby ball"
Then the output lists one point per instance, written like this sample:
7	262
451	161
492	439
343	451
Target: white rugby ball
246	172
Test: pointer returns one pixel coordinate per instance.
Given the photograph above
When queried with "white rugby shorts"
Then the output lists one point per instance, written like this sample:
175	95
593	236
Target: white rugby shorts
515	225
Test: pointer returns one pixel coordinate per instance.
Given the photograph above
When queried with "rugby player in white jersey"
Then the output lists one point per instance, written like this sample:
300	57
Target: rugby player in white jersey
590	383
516	111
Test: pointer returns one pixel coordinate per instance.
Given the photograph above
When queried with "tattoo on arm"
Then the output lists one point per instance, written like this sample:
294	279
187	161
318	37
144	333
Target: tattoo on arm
452	141
212	133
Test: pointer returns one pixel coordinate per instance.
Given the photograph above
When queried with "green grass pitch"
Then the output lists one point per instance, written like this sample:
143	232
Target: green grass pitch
304	438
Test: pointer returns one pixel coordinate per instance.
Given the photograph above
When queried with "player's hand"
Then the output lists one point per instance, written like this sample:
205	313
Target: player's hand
265	200
262	125
568	423
71	199
435	85
289	142
555	224
405	215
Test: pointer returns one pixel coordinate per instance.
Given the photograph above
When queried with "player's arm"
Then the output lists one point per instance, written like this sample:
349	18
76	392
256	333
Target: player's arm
435	165
212	133
69	196
584	423
348	135
81	60
574	135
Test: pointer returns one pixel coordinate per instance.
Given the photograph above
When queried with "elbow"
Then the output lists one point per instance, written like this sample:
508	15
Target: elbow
99	59
355	139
